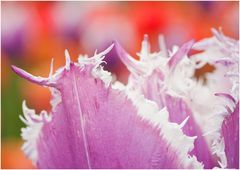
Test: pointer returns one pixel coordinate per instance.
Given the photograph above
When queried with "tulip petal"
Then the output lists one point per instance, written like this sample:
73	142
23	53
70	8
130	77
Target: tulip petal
184	49
32	132
178	111
221	50
135	66
94	125
230	135
223	53
39	80
165	87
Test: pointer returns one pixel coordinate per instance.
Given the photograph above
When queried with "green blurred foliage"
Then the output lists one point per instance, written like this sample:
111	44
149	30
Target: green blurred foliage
11	102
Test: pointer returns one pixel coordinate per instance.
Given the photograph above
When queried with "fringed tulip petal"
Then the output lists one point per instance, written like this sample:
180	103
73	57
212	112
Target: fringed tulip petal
167	116
230	135
223	53
161	84
95	125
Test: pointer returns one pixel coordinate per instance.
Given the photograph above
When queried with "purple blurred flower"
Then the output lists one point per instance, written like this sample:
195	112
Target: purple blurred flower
160	119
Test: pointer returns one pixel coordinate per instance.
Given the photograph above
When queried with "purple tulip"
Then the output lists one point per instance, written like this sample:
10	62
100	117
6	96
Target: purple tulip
160	119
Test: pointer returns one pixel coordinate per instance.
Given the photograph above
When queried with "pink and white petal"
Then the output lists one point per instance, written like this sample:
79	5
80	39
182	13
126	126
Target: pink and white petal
176	80
136	67
182	51
112	132
31	133
97	126
230	134
33	79
178	112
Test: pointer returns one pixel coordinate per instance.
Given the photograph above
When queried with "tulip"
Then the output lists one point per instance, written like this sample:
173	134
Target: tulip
162	118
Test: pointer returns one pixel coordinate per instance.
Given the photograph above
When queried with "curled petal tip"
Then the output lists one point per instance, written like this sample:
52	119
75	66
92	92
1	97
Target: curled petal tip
162	45
183	50
213	30
227	96
112	45
31	78
24	104
103	53
188	45
145	47
68	59
120	51
107	50
216	32
133	65
17	70
51	68
184	122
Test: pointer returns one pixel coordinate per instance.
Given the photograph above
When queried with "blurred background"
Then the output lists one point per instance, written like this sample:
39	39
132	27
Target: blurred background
34	32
